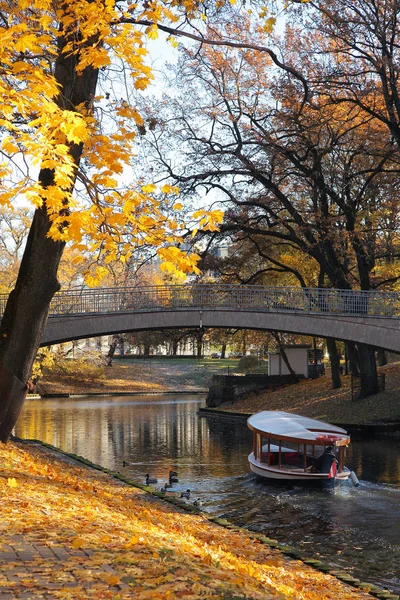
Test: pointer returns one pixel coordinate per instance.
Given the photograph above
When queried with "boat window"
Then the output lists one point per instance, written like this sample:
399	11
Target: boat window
291	455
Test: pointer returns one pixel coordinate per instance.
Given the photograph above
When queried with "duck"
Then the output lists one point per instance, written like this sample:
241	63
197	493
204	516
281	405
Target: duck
197	502
173	477
150	479
186	494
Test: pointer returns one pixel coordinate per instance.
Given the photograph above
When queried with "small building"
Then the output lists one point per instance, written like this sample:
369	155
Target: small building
301	359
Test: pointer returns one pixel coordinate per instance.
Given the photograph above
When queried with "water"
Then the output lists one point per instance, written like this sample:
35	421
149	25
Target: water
357	529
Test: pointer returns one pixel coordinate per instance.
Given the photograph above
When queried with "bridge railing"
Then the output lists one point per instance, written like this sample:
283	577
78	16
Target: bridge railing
234	297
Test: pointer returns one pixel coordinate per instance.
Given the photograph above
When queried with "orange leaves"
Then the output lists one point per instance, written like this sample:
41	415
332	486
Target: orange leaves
78	542
119	543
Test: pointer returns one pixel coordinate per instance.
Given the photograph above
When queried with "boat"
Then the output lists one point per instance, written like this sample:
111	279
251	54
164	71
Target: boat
287	447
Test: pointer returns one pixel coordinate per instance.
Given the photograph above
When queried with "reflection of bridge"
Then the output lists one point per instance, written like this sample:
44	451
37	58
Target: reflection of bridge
361	316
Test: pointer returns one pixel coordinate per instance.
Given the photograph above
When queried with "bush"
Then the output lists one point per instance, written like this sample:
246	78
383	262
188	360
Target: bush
247	363
81	369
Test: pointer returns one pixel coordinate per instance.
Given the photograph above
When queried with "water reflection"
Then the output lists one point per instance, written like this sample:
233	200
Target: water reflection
356	529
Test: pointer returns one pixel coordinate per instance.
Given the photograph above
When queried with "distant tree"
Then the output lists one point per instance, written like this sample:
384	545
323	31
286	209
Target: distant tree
290	167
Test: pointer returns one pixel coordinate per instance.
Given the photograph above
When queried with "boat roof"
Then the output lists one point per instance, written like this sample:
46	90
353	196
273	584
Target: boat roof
280	424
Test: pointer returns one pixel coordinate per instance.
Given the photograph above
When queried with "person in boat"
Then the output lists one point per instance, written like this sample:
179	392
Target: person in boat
327	462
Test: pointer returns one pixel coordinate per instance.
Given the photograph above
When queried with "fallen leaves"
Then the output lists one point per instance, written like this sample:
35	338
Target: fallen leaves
91	536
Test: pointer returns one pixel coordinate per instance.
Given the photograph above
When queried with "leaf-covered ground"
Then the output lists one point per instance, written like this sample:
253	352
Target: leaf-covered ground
315	398
73	532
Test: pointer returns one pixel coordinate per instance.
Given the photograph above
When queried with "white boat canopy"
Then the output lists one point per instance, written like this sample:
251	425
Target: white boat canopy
278	424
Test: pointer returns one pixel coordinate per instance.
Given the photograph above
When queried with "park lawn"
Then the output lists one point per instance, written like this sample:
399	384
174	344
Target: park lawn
136	375
120	542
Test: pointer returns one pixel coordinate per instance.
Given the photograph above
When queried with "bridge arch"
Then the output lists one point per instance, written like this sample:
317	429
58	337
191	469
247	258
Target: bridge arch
376	331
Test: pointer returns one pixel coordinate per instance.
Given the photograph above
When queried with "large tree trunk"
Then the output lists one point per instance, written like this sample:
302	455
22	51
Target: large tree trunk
368	373
25	318
27	308
353	358
334	359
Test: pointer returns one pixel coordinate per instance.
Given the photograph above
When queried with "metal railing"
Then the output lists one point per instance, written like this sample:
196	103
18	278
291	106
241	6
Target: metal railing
236	297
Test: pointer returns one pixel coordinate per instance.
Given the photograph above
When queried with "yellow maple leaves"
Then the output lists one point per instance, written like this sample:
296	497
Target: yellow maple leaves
51	129
142	546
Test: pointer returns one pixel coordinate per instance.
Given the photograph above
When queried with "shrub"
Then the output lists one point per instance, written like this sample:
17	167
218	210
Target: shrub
79	368
247	363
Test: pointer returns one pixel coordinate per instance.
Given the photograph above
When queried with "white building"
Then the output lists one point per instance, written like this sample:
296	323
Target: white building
297	357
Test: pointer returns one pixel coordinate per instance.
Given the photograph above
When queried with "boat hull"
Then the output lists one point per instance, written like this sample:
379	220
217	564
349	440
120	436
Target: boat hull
270	472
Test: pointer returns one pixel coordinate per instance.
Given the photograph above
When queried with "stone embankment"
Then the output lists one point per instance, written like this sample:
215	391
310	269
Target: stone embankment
231	388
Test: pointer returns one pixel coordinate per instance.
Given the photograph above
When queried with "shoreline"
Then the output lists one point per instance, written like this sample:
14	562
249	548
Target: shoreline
255	565
136	393
312	398
353	428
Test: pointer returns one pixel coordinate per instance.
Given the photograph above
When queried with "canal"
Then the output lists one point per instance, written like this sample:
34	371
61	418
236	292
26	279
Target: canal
356	529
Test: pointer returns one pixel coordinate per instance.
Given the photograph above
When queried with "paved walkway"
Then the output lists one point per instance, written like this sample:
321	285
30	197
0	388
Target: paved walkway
25	565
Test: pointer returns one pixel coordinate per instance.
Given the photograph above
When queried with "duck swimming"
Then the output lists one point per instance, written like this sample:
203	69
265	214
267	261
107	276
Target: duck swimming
150	479
186	494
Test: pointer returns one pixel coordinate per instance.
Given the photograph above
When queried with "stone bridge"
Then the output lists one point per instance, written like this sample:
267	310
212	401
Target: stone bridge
367	317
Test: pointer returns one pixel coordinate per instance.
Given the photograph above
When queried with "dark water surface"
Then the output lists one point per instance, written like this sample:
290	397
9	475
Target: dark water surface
357	529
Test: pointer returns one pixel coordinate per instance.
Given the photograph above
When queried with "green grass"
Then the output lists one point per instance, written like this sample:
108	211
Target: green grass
222	366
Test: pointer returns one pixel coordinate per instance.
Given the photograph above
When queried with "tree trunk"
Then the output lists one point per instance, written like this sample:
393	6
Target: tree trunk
283	353
27	307
146	352
175	344
111	352
199	340
25	318
223	350
244	343
368	373
346	360
353	358
334	359
382	357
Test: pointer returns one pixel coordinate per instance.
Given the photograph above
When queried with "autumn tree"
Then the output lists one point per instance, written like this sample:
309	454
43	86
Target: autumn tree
68	124
288	165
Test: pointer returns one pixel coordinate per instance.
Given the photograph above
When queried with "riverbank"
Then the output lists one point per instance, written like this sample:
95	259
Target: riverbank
315	398
140	376
70	531
312	398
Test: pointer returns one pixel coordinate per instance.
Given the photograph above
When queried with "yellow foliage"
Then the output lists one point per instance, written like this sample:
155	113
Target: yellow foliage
156	550
41	124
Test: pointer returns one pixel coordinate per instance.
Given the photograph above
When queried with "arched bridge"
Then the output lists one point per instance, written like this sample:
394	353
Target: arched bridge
360	316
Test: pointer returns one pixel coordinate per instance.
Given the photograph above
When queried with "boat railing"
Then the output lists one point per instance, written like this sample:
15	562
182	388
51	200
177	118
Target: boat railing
288	455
